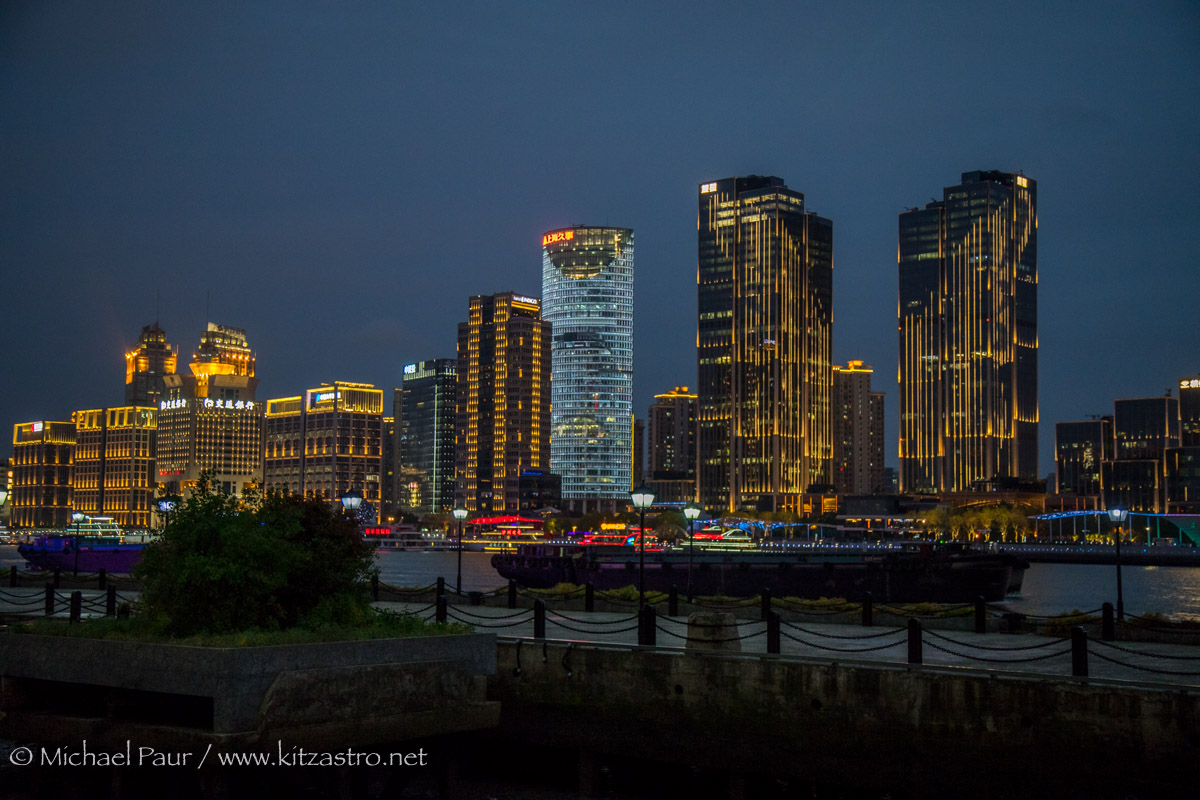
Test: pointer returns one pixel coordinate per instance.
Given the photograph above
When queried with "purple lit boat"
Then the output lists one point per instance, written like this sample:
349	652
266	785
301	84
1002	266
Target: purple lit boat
95	553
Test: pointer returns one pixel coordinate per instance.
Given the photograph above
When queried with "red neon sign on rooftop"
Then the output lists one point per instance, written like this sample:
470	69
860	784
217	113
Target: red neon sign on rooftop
558	236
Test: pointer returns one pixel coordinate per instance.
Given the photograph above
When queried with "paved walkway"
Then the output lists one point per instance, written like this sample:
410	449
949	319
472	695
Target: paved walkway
1012	654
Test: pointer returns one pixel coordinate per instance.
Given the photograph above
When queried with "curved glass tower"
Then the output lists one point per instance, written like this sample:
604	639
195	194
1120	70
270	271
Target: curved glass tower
587	296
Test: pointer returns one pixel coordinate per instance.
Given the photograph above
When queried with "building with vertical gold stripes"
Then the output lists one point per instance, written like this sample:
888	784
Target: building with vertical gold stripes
765	305
114	469
503	408
968	337
40	493
146	365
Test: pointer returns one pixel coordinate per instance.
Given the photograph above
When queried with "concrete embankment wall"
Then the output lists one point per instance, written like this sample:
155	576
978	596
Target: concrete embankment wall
914	730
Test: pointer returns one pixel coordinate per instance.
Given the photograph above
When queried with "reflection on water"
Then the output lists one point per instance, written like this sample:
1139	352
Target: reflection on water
1049	588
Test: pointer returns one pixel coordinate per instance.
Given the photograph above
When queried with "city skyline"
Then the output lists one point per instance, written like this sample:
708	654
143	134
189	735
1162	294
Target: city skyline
291	173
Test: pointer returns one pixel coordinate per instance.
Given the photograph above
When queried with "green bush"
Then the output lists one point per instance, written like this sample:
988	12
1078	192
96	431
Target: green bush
268	564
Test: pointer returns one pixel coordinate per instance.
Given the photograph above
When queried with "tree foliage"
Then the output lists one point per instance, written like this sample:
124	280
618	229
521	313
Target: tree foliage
270	563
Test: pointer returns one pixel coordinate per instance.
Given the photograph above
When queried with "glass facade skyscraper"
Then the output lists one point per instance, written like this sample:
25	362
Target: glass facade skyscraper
425	412
968	336
765	283
587	297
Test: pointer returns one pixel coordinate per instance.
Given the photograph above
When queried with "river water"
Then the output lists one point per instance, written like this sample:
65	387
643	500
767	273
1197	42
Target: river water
1048	589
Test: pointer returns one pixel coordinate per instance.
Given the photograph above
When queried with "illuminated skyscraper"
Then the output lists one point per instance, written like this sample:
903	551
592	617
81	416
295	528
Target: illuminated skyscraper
40	493
503	407
857	427
114	472
210	420
765	277
425	416
968	337
146	365
587	297
325	443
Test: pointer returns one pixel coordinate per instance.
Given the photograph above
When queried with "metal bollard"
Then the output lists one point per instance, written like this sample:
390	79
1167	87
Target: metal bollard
441	608
1079	652
375	588
589	597
647	633
57	577
773	633
49	600
673	602
980	615
1108	628
868	610
539	619
512	594
766	604
76	606
915	649
441	587
110	602
103	577
12	577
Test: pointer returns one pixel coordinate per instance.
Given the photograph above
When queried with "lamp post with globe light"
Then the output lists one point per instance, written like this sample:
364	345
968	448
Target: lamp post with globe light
351	500
460	514
78	518
1118	515
691	511
642	498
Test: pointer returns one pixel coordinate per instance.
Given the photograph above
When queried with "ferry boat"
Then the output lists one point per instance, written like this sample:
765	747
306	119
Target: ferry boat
405	537
96	544
922	574
499	534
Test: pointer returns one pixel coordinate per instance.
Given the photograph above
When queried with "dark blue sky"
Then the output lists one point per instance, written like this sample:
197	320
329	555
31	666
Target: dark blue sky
338	178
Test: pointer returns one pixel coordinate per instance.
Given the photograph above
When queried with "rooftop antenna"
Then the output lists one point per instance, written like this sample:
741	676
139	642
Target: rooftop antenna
207	311
157	305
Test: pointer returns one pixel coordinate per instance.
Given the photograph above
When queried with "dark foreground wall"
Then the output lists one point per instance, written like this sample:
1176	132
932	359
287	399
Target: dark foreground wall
913	731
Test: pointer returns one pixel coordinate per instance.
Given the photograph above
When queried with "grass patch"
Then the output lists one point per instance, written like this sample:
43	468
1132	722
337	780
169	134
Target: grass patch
382	625
630	594
558	590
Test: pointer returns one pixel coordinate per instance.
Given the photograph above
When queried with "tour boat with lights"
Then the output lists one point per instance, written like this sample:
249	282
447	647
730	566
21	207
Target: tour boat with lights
97	544
924	573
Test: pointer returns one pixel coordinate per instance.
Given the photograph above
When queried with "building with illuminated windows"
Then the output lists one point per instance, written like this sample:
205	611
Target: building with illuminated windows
587	297
857	427
146	365
209	420
425	408
968	337
325	443
114	472
1080	450
503	401
765	306
40	494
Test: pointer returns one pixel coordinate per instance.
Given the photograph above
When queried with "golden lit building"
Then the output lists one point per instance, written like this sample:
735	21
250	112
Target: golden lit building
503	408
40	494
968	337
146	365
114	470
325	443
765	306
209	420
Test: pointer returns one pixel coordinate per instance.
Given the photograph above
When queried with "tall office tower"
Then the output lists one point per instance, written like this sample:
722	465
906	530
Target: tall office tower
673	433
765	277
6	482
1080	448
146	365
1144	429
425	407
587	297
114	472
209	420
968	337
325	443
41	484
502	417
857	426
1189	412
639	451
387	472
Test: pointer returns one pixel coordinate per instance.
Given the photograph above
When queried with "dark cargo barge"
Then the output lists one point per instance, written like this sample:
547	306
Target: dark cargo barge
924	575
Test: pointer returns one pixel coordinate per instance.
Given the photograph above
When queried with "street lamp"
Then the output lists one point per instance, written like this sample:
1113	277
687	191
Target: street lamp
691	511
460	514
351	500
78	518
165	507
642	498
1118	515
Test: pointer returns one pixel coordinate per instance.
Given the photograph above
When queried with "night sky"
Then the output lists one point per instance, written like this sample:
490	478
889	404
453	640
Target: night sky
338	178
